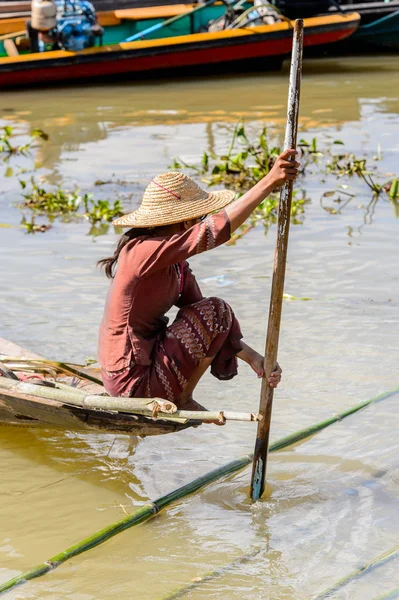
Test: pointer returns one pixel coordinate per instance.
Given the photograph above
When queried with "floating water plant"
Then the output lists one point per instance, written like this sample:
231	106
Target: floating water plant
67	204
52	202
33	227
246	161
8	148
49	201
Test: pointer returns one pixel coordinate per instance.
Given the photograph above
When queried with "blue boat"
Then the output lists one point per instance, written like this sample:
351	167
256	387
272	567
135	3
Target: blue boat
382	32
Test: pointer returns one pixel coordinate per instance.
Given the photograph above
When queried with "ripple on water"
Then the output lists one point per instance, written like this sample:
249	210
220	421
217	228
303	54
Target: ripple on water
331	502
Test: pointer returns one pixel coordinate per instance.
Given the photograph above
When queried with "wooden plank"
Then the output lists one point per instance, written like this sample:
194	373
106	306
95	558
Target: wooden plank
108	18
153	12
11	25
280	260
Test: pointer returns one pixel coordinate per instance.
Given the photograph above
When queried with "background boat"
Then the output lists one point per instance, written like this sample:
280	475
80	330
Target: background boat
379	26
381	32
171	48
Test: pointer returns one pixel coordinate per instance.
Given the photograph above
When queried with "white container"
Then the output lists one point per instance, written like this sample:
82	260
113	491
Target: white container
43	15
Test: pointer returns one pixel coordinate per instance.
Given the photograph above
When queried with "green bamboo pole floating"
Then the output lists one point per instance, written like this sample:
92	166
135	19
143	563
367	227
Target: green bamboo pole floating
284	442
211	575
374	564
140	515
392	595
280	260
148	510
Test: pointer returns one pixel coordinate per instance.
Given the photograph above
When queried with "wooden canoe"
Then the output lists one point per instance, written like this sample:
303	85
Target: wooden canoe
171	50
25	410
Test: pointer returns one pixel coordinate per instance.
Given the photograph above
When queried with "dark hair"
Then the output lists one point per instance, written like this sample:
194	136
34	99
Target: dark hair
109	263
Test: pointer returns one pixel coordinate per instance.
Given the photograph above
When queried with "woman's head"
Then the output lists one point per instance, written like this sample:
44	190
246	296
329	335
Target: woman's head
171	198
172	203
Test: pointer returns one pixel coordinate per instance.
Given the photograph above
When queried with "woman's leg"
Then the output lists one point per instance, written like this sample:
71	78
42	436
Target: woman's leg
186	401
252	358
186	397
205	334
247	354
256	361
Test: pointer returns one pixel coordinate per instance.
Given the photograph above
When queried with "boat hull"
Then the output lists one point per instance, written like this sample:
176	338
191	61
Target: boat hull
171	54
30	411
382	32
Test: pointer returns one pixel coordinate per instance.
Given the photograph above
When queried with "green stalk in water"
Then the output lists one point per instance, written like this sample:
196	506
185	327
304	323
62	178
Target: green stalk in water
210	575
374	564
148	510
392	595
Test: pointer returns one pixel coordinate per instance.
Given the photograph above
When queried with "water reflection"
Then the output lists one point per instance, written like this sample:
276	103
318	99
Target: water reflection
331	502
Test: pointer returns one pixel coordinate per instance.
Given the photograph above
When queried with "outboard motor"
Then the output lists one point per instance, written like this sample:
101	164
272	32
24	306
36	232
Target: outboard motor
77	26
44	15
63	25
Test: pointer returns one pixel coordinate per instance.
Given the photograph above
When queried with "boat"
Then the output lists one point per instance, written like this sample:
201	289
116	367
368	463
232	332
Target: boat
383	32
379	26
24	409
38	392
170	49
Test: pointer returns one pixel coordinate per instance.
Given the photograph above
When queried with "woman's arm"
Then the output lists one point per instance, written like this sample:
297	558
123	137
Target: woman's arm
283	170
156	253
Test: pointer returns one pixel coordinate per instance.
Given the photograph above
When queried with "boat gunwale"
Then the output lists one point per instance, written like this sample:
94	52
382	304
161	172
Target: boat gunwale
82	418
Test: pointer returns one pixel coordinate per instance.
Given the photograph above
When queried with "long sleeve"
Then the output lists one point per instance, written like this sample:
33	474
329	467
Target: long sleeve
191	292
153	254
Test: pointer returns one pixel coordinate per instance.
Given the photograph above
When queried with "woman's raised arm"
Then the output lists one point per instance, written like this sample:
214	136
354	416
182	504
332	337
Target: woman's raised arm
283	170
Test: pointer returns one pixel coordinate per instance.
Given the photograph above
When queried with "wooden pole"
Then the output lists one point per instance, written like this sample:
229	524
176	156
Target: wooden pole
280	258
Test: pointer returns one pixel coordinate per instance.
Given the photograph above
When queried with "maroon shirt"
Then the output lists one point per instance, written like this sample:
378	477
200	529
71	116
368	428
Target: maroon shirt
152	276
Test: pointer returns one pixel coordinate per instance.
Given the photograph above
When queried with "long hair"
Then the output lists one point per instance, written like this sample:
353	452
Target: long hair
109	263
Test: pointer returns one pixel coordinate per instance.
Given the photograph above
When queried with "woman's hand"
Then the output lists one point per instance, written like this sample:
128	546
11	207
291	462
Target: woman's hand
284	169
275	377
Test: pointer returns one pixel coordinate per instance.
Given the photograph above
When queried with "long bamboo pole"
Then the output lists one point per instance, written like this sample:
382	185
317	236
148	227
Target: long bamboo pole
374	564
280	259
284	442
211	575
148	510
149	407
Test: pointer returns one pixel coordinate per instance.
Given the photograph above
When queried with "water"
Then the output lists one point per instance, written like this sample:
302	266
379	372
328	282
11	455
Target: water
331	503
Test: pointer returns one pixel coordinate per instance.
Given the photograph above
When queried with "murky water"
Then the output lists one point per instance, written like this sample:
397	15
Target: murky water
331	504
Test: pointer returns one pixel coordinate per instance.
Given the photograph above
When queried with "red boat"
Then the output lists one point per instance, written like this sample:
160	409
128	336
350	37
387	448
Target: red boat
265	44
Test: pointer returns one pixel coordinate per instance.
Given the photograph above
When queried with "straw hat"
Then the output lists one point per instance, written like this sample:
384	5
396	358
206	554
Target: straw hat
173	198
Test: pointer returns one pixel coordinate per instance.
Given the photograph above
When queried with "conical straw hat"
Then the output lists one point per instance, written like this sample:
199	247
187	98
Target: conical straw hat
174	197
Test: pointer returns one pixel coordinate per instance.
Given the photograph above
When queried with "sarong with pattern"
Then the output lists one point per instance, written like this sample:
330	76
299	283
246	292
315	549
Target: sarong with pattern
206	328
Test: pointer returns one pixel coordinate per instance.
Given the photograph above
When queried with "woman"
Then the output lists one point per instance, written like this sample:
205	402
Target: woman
139	354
